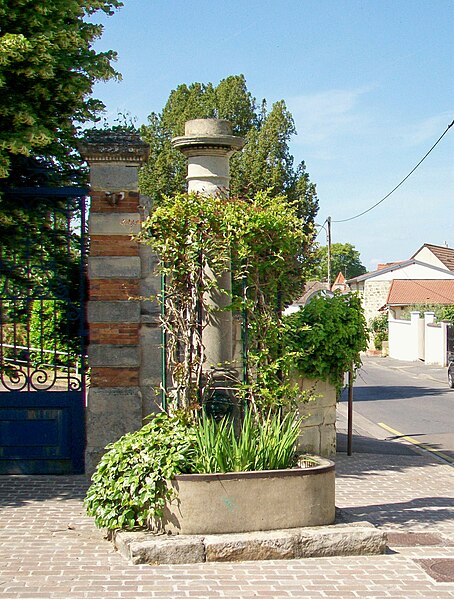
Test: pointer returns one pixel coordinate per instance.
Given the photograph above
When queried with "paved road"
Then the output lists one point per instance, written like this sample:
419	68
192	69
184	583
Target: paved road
50	549
401	401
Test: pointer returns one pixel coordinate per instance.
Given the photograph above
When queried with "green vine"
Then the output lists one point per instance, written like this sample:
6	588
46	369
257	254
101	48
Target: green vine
129	485
198	238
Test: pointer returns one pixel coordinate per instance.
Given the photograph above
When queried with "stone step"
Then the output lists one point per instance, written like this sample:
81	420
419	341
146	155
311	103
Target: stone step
358	538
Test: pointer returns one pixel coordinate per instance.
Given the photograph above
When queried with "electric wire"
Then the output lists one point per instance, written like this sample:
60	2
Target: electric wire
320	228
403	180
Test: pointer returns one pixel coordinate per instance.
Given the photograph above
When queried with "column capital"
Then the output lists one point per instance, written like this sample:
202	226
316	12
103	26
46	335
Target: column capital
205	137
114	146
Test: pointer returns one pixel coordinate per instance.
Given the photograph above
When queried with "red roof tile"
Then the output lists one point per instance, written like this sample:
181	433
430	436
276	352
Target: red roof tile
384	265
423	291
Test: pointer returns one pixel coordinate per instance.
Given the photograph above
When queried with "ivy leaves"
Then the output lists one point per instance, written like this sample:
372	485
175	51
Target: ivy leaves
129	484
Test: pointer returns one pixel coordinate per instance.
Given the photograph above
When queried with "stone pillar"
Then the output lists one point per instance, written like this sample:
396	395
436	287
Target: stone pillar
208	145
115	271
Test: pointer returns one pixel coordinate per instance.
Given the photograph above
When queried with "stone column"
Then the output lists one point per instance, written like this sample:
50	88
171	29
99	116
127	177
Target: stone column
208	145
114	402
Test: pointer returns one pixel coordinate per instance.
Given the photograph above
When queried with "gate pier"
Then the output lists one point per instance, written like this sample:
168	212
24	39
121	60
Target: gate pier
121	328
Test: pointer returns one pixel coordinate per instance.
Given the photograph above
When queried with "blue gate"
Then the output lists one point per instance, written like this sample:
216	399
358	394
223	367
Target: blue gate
42	332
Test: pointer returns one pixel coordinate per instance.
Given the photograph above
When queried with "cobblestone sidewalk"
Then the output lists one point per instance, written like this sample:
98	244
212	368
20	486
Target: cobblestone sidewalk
49	548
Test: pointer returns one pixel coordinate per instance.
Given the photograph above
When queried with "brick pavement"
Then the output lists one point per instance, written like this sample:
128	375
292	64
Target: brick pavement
50	548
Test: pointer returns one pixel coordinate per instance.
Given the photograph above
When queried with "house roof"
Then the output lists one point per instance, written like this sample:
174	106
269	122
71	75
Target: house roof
340	280
381	271
310	289
443	253
384	265
421	291
396	266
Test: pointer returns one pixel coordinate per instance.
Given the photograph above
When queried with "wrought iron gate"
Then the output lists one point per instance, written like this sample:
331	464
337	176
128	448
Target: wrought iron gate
42	332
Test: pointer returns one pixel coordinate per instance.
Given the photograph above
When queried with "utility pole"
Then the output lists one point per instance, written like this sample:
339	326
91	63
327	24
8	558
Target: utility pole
328	236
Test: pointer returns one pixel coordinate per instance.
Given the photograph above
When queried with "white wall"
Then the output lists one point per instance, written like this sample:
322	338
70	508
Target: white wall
418	339
426	255
404	338
414	271
436	343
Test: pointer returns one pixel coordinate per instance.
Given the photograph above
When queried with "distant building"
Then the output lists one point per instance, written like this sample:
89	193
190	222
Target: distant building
311	290
340	284
429	263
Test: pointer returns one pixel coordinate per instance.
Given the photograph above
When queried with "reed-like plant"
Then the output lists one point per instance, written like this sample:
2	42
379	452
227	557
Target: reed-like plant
264	443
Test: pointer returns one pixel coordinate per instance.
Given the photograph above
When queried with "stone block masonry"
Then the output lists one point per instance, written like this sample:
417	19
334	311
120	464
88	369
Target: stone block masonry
115	402
124	332
318	429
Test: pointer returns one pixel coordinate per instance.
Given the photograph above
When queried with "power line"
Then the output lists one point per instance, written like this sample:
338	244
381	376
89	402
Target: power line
320	228
403	180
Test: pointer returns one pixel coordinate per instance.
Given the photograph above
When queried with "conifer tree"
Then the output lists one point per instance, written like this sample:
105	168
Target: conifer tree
265	162
47	71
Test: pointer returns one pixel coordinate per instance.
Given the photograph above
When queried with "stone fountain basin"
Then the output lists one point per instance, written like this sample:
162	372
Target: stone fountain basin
251	501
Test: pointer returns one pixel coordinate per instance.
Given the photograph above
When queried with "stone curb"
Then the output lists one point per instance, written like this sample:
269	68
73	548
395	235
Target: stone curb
359	538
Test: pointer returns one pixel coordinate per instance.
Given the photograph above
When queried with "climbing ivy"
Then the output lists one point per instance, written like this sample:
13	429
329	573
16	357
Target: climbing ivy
197	239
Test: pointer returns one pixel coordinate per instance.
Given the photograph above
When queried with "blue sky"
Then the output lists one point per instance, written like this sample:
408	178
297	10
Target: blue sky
370	85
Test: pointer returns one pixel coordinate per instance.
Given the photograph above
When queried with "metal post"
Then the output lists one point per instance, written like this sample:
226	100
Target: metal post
328	236
163	345
350	414
244	329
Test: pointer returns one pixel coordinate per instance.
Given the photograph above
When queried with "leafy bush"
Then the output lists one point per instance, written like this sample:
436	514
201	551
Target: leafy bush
129	484
326	337
446	313
379	327
54	326
441	312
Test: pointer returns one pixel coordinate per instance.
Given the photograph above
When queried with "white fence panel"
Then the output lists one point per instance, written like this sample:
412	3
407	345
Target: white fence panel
436	344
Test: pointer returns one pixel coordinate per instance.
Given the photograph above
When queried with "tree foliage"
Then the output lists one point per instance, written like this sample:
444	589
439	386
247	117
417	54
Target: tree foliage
265	163
344	258
47	71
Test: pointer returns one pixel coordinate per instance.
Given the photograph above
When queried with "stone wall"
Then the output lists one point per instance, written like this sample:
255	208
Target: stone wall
374	297
318	431
119	272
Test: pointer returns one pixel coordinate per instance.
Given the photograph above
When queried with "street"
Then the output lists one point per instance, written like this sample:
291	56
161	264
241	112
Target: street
401	401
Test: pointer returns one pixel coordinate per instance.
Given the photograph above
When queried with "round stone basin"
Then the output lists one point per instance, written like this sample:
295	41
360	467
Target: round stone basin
251	501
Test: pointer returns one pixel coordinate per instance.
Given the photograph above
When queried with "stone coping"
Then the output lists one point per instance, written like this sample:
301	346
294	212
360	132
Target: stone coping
197	142
340	539
324	465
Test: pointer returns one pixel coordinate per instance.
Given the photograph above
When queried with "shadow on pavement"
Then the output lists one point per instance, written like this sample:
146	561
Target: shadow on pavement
372	393
16	490
424	510
362	444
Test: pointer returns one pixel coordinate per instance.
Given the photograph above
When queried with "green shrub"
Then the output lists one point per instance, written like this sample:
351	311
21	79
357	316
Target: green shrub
441	312
446	313
326	337
129	484
379	327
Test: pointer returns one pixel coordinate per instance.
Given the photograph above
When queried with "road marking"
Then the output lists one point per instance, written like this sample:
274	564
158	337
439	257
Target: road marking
441	455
